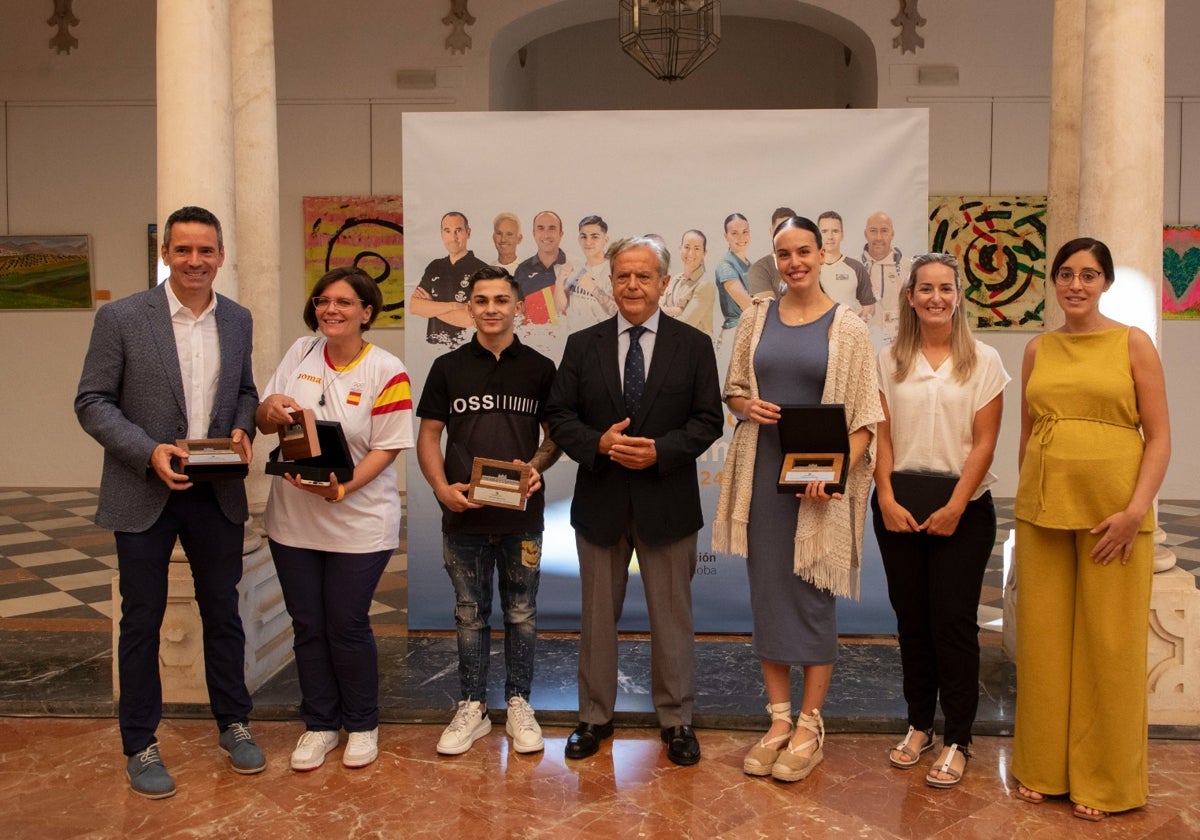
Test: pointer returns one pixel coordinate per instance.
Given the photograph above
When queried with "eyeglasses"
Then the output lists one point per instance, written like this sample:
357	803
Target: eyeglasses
341	304
1065	277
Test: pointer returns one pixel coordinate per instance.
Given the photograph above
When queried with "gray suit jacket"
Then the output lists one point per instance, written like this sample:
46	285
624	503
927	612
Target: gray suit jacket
131	399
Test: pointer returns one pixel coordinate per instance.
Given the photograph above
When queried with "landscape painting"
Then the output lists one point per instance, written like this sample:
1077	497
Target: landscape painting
45	272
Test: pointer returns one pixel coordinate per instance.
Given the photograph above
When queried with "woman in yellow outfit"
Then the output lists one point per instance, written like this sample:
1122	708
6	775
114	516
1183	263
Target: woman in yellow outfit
1088	478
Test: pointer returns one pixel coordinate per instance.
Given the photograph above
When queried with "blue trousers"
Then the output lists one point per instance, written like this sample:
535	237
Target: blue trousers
214	550
328	595
470	560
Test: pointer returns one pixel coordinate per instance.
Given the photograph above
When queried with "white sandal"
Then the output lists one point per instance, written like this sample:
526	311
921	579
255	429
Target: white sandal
913	756
944	767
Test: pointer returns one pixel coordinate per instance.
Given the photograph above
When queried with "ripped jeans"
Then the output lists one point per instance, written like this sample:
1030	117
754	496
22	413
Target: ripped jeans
469	560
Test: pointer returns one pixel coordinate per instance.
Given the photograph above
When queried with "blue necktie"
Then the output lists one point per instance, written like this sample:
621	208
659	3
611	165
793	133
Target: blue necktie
635	371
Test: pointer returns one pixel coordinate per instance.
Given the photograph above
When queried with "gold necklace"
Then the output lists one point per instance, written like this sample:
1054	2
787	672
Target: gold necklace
797	311
929	357
326	381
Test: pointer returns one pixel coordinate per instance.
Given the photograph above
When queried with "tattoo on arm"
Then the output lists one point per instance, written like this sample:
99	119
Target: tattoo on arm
545	456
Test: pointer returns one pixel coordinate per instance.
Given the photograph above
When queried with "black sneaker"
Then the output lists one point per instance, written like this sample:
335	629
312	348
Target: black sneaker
147	775
244	754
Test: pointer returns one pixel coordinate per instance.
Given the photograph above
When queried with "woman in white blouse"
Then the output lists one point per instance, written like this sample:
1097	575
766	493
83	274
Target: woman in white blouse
942	394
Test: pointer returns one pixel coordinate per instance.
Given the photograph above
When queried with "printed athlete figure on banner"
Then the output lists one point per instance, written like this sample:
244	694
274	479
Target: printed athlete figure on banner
441	296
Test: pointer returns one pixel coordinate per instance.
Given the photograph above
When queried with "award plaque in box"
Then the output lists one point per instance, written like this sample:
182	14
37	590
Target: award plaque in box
299	439
499	483
816	447
211	459
334	458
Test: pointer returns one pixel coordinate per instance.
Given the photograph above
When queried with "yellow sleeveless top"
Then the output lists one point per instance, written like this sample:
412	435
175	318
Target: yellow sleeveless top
1085	449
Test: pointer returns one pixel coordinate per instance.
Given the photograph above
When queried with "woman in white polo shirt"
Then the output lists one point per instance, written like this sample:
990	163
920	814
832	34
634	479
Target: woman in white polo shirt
331	543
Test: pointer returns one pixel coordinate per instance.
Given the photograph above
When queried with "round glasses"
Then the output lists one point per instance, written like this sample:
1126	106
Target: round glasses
1065	277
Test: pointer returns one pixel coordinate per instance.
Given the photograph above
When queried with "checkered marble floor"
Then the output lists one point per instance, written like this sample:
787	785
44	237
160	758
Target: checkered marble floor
56	564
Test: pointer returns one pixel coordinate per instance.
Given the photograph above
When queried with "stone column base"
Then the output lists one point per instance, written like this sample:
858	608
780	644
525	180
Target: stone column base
181	643
1173	643
1174	660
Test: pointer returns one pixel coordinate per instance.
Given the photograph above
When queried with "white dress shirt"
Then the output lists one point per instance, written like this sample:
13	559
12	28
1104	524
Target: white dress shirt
647	342
199	353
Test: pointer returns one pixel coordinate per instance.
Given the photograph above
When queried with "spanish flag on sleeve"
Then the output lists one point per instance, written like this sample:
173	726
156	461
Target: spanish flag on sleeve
395	396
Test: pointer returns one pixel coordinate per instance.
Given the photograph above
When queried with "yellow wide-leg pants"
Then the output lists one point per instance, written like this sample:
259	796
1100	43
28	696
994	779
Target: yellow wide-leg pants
1081	716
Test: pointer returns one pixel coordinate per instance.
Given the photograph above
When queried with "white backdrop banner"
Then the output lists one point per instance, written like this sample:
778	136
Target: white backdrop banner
661	172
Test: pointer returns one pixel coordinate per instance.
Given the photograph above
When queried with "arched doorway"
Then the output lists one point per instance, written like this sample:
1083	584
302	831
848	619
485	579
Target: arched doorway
789	55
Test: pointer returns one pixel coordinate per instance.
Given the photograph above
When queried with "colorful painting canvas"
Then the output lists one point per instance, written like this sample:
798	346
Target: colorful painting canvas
1000	242
45	272
1181	273
364	231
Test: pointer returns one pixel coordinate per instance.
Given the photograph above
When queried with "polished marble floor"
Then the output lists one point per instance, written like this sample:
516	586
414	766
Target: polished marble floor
61	772
64	779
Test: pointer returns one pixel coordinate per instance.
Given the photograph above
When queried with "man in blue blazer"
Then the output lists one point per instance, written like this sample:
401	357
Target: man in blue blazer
635	402
165	364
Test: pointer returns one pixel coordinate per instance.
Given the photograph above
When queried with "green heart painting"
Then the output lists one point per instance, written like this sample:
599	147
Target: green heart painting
1181	272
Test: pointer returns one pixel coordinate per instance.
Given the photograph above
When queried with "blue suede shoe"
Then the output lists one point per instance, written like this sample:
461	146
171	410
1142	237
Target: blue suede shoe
147	775
244	754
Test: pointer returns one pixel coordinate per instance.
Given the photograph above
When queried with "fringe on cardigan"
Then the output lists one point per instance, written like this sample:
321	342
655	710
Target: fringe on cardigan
828	545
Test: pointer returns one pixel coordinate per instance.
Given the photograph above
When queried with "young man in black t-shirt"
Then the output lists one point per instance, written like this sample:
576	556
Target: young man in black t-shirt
489	397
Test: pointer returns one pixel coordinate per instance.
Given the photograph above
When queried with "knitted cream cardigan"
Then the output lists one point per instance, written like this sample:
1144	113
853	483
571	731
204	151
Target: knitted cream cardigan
828	535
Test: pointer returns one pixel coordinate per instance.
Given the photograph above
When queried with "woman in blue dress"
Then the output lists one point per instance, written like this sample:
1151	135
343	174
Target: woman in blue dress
801	550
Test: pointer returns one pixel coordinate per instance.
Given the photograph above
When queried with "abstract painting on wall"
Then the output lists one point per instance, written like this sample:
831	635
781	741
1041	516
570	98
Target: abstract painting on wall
1181	273
1000	242
45	272
363	231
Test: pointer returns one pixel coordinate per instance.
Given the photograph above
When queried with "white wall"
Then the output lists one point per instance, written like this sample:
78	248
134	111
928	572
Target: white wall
764	64
77	136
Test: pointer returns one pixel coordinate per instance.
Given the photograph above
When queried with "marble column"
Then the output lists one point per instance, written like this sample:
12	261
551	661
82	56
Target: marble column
1121	164
196	165
1066	99
256	158
1121	141
1120	202
194	117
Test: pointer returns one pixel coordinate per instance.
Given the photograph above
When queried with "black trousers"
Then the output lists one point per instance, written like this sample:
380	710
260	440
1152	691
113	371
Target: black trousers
214	550
934	585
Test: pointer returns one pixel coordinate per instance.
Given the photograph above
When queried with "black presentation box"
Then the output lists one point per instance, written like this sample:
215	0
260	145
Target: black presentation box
212	459
334	458
816	447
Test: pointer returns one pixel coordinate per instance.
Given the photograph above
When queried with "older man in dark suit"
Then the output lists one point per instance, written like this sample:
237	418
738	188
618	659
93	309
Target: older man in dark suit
635	402
170	363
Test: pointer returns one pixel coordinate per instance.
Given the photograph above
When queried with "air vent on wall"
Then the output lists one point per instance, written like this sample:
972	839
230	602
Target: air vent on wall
937	75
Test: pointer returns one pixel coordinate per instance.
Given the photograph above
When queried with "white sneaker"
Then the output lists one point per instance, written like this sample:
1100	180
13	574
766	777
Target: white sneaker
469	725
311	749
361	748
523	727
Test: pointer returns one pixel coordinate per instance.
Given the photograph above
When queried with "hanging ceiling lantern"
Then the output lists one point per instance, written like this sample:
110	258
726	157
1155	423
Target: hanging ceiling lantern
670	38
